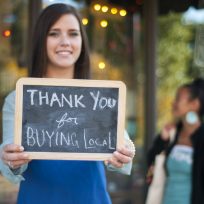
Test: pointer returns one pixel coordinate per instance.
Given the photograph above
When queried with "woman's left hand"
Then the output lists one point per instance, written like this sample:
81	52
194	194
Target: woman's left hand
120	157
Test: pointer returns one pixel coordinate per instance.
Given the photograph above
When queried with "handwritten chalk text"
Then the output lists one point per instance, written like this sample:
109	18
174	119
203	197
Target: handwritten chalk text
65	119
53	98
39	138
39	98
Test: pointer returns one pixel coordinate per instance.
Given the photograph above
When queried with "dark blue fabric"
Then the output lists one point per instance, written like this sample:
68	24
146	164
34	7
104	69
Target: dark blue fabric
64	182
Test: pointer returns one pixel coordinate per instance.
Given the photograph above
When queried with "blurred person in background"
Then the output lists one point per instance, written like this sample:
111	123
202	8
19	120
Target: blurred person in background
184	165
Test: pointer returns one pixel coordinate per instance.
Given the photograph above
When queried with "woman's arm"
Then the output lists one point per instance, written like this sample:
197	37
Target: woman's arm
9	152
158	146
161	142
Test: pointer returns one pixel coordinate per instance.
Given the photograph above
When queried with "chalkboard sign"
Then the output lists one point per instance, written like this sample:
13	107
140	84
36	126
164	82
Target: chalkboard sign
69	118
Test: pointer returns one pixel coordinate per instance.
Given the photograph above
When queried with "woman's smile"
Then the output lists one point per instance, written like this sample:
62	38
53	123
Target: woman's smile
64	53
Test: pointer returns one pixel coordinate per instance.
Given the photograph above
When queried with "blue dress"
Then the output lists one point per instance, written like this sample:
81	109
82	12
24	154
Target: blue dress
64	182
179	181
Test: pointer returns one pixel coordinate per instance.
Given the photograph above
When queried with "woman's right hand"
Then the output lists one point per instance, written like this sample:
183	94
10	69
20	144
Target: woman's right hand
167	131
14	156
150	174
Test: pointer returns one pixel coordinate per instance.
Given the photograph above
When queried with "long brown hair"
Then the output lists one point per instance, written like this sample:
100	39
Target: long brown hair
38	62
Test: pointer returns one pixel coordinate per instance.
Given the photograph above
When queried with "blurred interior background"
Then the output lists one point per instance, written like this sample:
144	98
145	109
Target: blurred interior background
151	45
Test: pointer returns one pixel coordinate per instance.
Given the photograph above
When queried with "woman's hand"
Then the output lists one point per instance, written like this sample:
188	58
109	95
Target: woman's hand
120	157
123	155
150	174
168	131
13	156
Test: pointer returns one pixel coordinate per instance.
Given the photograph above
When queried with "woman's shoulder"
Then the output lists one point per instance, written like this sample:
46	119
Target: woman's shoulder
11	96
9	100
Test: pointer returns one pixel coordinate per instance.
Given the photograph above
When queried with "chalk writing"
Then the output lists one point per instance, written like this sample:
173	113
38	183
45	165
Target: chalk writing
70	119
72	101
40	138
97	142
103	101
54	98
67	119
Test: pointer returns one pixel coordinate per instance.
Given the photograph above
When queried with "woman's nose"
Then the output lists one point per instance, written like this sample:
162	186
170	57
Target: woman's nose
65	41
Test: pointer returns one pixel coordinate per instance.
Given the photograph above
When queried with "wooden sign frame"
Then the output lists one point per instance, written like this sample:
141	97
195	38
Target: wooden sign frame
76	83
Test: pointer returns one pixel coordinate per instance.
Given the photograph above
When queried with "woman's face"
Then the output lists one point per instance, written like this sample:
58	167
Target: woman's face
64	43
182	103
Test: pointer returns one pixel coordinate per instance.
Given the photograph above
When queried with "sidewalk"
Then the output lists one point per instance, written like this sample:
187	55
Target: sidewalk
8	192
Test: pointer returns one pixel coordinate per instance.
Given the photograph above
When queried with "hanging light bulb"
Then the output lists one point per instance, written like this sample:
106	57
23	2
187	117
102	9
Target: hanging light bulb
114	11
104	23
97	7
102	65
104	9
123	12
85	21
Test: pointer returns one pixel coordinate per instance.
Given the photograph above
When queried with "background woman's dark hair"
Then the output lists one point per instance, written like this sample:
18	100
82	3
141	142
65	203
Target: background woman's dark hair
48	17
196	89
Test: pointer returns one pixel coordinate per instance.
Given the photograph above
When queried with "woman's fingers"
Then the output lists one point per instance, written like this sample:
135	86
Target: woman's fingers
167	131
17	164
126	151
120	157
123	158
13	148
115	162
14	156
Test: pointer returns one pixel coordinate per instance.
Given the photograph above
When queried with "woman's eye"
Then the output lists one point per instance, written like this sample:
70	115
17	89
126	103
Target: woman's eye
54	34
74	34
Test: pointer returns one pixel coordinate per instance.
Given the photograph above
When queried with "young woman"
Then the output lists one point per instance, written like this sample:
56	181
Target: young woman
59	51
185	155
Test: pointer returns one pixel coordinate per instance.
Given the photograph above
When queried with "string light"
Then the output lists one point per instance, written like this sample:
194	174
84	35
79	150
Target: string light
114	11
102	65
97	7
123	12
104	23
85	21
104	9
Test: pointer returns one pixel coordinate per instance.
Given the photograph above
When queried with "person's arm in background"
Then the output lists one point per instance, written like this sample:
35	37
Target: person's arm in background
158	146
122	156
160	143
12	174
